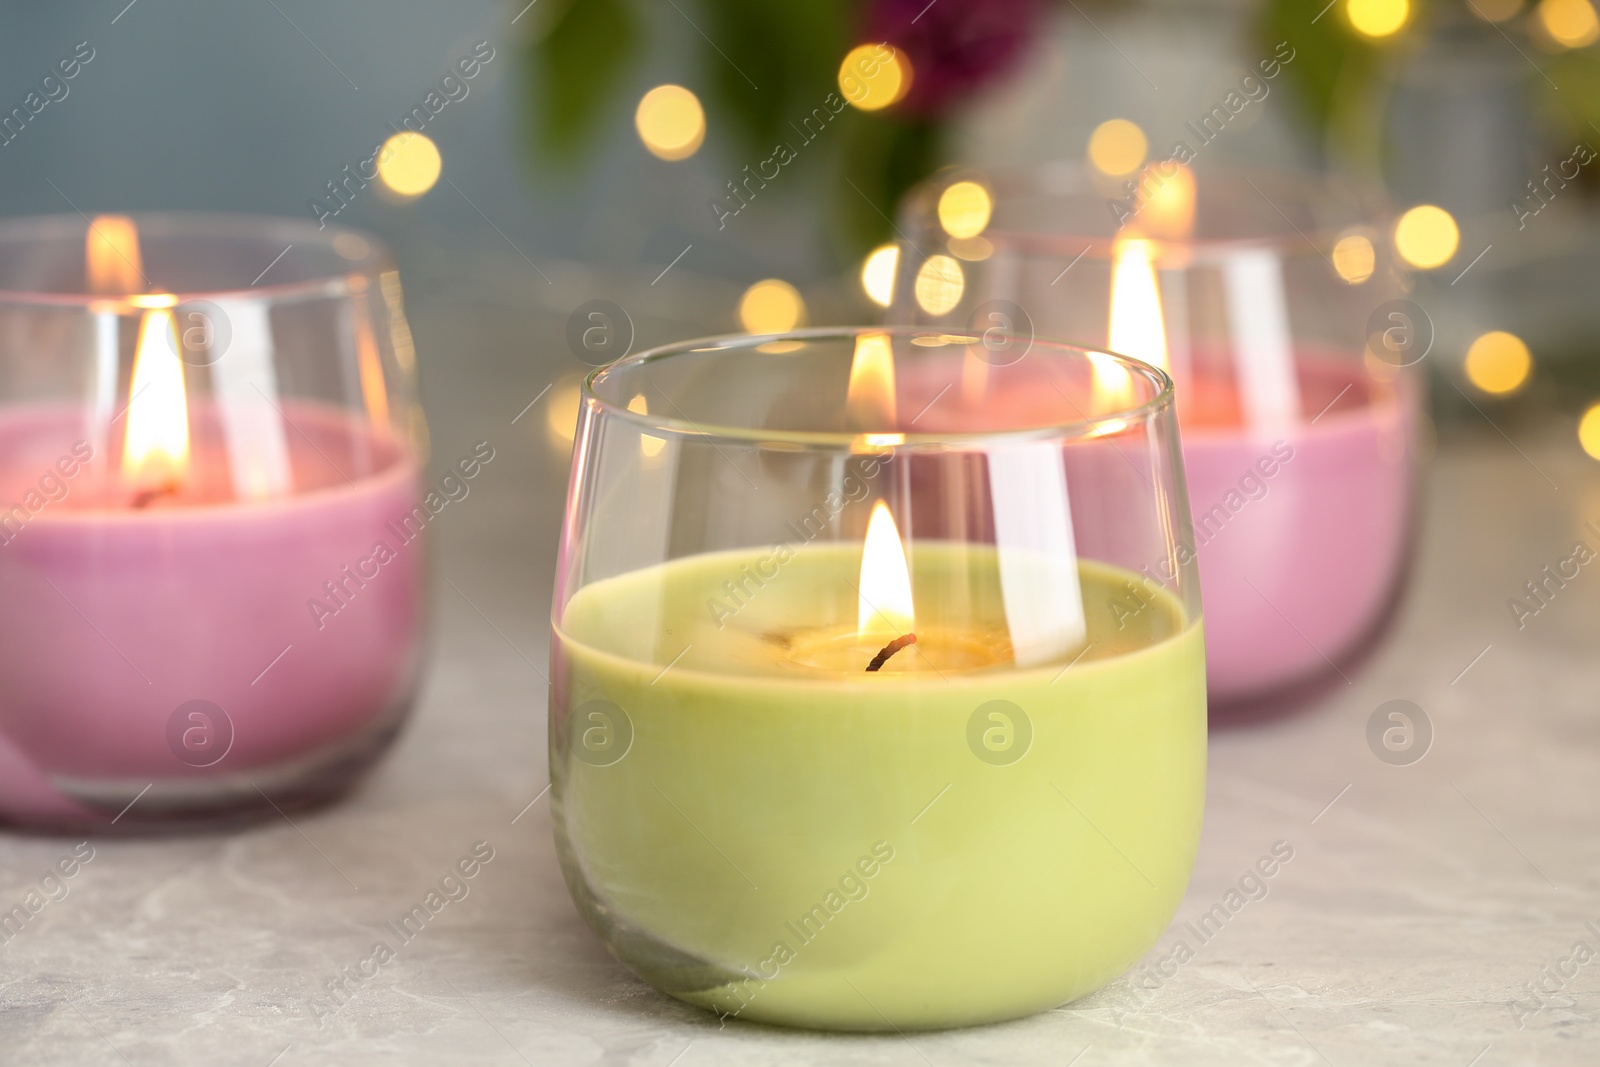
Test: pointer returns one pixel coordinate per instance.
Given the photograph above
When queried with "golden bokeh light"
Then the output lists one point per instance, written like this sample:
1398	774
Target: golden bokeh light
874	76
409	164
648	446
771	306
971	249
1378	18
1570	23
964	209
1426	236
561	416
1589	431
671	122
1117	147
1498	362
940	285
1495	10
877	274
1353	258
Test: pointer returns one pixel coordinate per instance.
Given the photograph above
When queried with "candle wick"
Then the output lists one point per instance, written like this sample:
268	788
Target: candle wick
150	496
890	649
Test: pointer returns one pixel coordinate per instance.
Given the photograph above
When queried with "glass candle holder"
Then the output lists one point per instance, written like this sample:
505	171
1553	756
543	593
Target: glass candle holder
1277	305
875	704
210	598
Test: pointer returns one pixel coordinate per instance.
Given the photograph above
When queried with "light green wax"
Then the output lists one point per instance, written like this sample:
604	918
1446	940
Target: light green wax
852	850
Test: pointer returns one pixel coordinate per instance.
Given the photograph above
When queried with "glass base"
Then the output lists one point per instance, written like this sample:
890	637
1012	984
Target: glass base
108	806
730	994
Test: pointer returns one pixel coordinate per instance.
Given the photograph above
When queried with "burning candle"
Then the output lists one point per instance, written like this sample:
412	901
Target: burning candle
1300	482
1297	439
160	554
843	776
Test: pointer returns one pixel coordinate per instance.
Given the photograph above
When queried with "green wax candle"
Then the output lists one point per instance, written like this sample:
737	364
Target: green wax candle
761	830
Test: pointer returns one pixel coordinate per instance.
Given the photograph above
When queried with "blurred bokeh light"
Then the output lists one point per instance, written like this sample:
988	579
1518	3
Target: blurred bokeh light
1117	147
1353	257
964	209
409	164
940	285
873	76
671	122
877	274
1498	362
1589	431
1427	236
1378	18
1570	23
771	306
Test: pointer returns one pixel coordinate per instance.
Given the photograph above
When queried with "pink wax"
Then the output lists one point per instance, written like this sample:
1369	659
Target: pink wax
1297	567
113	617
1301	533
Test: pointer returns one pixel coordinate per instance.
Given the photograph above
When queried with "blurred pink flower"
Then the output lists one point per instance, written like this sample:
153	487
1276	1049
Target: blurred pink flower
954	45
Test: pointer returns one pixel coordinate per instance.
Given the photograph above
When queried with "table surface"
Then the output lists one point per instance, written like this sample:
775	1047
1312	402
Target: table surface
1429	914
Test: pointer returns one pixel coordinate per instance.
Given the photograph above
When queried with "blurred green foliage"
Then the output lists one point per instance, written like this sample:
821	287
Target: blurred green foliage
762	66
580	61
1342	77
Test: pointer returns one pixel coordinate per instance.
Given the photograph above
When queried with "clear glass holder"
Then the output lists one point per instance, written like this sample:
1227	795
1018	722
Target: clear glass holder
876	705
1278	305
211	586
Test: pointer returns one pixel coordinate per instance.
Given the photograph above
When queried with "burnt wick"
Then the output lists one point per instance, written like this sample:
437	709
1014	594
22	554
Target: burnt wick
150	496
890	649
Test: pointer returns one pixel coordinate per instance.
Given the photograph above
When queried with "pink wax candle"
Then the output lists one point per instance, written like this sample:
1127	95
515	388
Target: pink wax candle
1274	303
211	590
112	619
1301	532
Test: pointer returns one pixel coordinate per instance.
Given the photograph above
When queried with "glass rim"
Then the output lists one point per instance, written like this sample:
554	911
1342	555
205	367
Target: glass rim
185	224
1074	180
856	441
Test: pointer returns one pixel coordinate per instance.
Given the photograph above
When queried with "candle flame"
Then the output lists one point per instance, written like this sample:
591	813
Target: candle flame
112	256
1136	327
1169	210
870	399
885	607
155	452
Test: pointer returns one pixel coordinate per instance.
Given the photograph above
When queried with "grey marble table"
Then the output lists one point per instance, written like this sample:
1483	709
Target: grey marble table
1429	914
